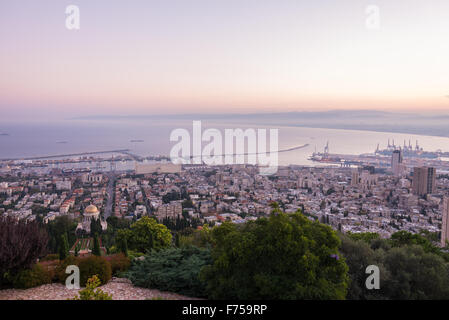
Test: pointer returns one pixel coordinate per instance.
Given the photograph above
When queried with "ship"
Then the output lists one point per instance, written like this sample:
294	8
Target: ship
324	156
81	170
409	151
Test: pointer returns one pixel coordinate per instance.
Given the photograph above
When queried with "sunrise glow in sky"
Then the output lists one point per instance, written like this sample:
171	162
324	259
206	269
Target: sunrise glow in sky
185	56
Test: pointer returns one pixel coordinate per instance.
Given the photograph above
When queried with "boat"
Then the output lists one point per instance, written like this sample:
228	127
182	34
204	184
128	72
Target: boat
325	157
81	170
408	151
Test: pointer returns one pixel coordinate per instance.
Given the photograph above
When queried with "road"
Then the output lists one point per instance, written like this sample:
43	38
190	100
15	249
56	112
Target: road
110	191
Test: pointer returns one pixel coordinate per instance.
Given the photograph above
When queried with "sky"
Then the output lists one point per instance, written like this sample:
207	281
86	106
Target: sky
240	56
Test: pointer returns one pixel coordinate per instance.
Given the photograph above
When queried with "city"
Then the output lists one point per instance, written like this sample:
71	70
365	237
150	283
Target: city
361	199
233	157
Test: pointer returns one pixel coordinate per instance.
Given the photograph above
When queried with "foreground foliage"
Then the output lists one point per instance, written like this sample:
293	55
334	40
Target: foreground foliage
280	257
90	266
21	244
411	267
89	293
145	235
173	269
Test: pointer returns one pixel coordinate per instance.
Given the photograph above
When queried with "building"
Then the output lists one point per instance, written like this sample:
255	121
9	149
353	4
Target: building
158	168
355	178
91	212
445	224
424	180
64	185
90	178
170	210
396	162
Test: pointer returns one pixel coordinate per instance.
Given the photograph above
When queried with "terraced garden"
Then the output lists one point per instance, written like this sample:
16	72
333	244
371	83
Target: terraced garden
85	245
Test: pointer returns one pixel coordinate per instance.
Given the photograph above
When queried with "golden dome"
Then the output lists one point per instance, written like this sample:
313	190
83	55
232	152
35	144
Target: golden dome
91	209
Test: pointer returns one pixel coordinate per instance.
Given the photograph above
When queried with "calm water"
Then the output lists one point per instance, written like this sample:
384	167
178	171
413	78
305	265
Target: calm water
26	140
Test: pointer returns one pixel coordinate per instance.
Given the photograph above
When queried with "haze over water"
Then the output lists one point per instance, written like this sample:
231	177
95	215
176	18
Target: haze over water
42	139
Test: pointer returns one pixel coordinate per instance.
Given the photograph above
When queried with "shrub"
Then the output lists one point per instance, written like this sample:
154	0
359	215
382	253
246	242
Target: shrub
89	266
283	257
21	244
119	263
29	278
89	293
60	269
50	257
173	269
51	268
94	265
144	235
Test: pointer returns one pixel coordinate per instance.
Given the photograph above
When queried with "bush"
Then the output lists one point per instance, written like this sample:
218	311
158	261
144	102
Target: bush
408	268
283	257
94	265
21	244
29	278
51	267
60	269
119	263
89	293
173	269
89	267
145	235
50	257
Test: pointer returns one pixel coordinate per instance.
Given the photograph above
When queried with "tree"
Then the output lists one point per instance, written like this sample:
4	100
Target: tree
89	293
172	269
124	246
63	247
177	240
408	270
95	227
21	244
280	257
96	249
58	227
416	274
145	235
364	236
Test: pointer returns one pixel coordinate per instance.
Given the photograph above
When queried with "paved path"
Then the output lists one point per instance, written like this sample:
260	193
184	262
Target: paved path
120	288
110	192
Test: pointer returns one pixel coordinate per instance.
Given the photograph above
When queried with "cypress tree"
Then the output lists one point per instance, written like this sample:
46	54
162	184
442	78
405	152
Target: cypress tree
96	249
177	239
124	247
63	247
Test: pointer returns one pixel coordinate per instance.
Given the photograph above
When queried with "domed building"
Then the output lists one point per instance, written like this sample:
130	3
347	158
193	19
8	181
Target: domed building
91	212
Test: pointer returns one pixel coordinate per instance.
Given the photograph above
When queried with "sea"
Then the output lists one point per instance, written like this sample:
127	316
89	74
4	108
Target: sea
146	137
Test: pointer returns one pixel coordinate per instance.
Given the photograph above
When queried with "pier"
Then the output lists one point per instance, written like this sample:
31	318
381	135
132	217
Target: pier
122	151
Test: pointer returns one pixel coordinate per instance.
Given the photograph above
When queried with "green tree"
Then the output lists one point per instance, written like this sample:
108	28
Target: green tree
89	293
364	236
96	249
416	274
172	269
63	247
61	225
280	257
145	235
